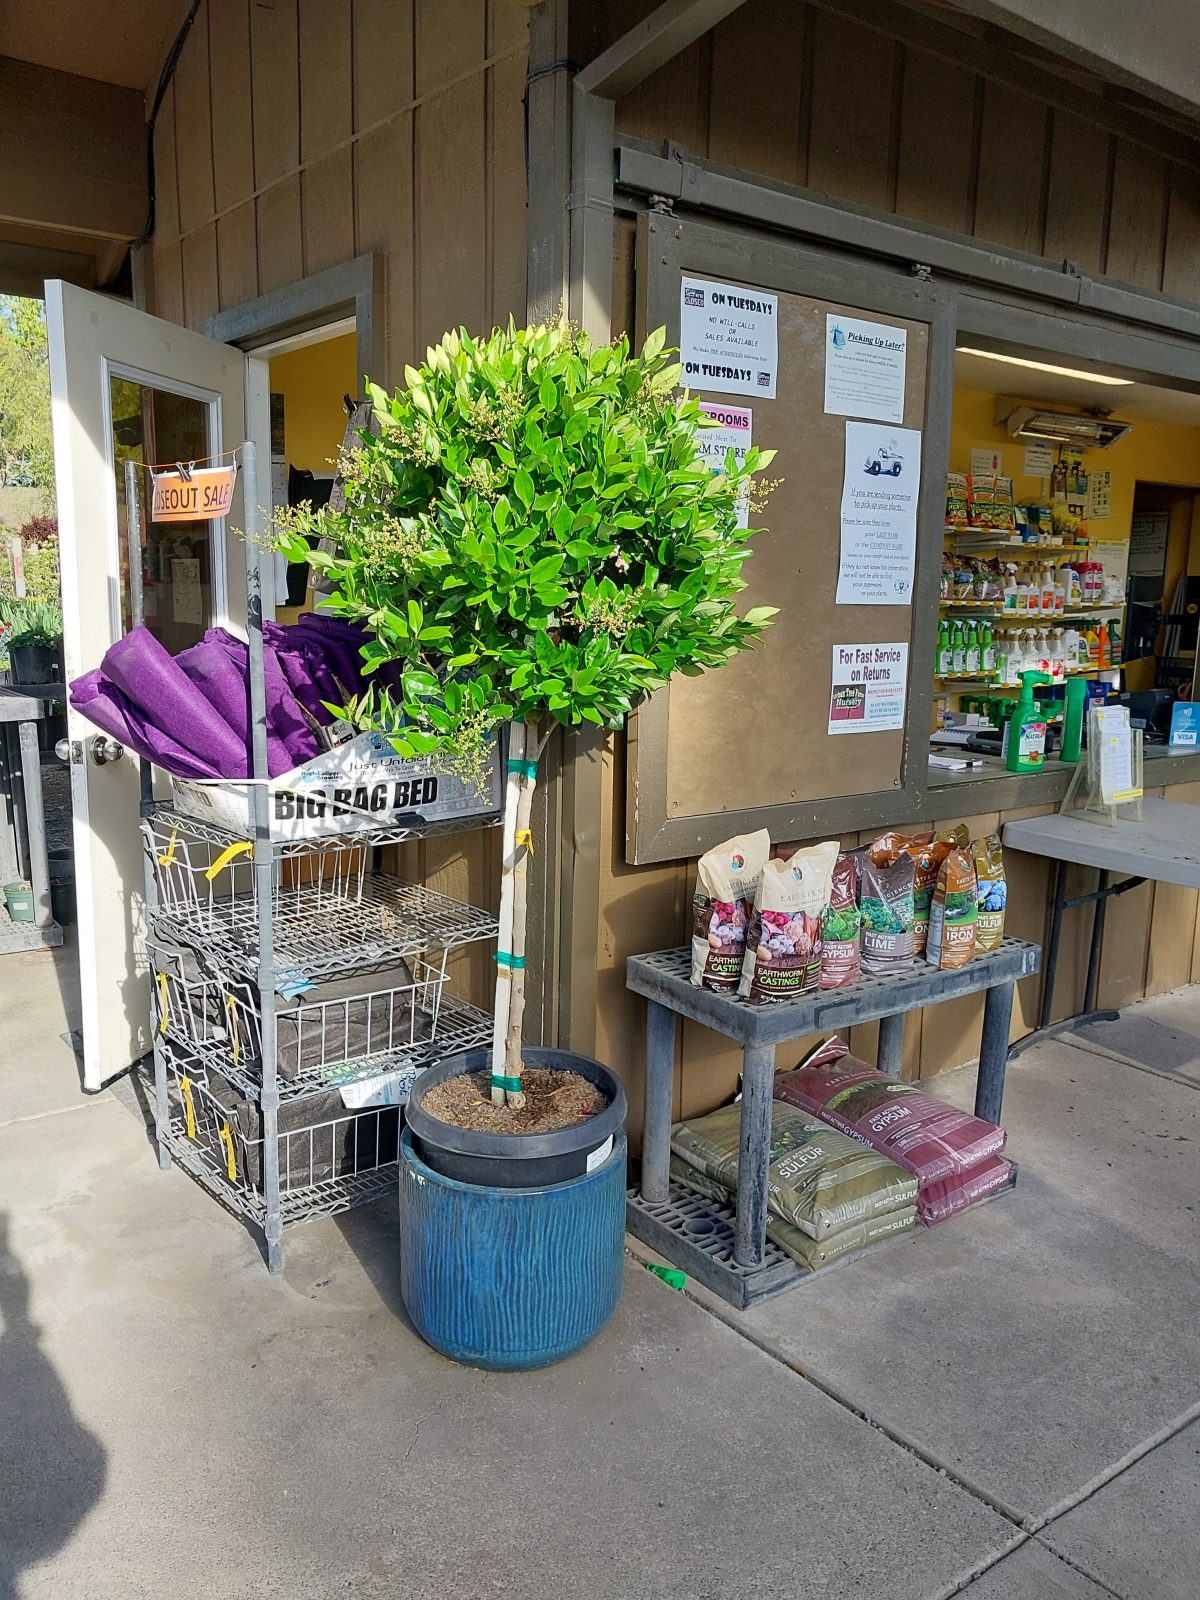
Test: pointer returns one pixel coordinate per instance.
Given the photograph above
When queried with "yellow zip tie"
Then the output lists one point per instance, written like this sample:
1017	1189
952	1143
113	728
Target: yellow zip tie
525	836
162	990
230	1158
226	856
231	1013
185	1086
168	859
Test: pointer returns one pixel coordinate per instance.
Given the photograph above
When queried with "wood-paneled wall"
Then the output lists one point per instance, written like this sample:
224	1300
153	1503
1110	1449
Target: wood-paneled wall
298	134
874	103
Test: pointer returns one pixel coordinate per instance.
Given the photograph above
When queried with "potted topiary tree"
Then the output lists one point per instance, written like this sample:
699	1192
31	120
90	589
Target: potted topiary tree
532	535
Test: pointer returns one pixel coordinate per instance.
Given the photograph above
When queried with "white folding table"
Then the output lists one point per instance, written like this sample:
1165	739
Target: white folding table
1163	847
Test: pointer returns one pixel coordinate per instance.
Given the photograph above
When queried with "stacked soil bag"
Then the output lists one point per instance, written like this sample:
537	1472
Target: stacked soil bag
827	1195
954	1156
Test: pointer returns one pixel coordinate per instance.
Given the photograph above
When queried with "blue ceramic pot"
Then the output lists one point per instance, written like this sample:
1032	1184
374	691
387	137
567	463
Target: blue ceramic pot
510	1279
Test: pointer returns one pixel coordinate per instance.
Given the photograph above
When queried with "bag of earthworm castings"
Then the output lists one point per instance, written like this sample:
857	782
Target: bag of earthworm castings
885	897
954	912
993	893
783	939
809	1252
817	1179
727	876
841	926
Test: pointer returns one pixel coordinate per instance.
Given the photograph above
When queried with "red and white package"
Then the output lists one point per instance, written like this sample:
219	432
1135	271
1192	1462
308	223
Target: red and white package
925	1136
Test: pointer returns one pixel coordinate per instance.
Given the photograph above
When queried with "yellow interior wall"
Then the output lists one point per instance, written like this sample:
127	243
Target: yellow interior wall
312	382
1152	452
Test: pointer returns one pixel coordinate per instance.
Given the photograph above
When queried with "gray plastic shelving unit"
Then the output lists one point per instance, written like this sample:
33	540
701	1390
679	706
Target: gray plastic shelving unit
729	1252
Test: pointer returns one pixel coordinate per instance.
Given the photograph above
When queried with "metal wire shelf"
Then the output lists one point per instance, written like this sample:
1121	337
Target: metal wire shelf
328	1164
332	1036
319	934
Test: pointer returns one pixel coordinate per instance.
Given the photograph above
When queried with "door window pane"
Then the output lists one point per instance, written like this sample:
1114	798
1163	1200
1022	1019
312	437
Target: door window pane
154	425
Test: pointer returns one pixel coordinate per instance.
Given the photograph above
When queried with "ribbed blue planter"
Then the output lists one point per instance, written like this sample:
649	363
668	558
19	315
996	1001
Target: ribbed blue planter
510	1278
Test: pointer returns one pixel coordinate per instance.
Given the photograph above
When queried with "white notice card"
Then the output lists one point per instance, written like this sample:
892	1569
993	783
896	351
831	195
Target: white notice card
728	337
869	684
879	515
731	430
864	368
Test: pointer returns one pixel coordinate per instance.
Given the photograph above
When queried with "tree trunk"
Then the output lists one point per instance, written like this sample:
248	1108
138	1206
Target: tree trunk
524	843
504	972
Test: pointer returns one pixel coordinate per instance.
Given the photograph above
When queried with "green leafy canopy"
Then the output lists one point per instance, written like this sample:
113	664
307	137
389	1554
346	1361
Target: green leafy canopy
534	534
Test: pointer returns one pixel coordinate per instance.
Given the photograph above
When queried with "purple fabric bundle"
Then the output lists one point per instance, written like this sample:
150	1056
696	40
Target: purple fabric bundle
190	713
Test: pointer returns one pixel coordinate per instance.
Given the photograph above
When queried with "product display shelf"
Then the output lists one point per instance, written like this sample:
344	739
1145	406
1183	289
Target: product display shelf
995	608
281	915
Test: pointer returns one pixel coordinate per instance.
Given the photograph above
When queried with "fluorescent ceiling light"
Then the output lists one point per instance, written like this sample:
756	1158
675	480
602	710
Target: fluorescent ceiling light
1044	366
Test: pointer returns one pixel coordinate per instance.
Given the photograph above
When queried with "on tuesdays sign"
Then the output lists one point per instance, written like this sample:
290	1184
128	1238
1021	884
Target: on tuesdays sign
202	495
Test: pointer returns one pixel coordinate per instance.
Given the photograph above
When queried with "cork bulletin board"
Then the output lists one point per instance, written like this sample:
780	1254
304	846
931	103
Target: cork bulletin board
749	745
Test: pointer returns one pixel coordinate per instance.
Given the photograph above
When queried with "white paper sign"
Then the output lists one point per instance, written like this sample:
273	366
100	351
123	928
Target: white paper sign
864	368
728	337
1100	492
1039	458
187	601
735	424
986	463
1149	531
879	515
869	685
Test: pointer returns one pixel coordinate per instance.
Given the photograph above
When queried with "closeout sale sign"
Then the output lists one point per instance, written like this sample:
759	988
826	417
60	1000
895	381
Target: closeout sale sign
195	494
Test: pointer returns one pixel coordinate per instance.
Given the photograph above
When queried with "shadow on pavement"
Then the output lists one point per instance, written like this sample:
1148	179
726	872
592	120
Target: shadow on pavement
54	1468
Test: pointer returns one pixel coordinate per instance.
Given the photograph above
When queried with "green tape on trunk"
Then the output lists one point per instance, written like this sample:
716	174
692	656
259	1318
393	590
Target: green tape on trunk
513	1085
503	959
527	769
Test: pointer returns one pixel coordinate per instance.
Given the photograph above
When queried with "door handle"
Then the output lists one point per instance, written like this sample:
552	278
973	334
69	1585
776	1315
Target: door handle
102	749
69	750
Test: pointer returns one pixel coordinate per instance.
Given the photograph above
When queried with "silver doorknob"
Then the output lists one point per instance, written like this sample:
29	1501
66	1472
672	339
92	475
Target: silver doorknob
102	749
63	750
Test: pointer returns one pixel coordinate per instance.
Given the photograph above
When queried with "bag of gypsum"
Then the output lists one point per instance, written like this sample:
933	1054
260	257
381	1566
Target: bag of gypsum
783	939
948	1196
817	1179
886	901
726	877
954	912
993	892
928	855
841	937
808	1252
925	1136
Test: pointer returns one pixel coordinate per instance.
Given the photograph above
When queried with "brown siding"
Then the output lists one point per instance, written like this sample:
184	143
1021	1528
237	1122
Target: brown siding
301	133
387	125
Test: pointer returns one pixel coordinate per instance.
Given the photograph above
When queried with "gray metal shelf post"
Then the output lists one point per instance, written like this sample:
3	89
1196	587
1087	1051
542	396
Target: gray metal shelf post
264	863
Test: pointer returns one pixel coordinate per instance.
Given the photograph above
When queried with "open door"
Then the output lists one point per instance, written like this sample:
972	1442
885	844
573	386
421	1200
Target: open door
124	386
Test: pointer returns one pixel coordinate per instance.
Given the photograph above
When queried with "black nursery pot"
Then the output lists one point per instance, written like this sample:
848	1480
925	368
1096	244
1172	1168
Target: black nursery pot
32	664
515	1160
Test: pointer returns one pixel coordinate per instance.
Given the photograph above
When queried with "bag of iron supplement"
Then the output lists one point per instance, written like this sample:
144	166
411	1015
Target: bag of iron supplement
810	1253
928	855
727	876
925	1136
885	897
817	1179
954	912
993	892
783	939
841	925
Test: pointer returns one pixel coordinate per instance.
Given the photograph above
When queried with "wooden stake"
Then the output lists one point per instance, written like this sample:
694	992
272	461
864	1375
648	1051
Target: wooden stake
504	974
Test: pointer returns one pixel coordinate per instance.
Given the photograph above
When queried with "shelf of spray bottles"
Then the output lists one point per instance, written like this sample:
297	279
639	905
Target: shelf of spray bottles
996	608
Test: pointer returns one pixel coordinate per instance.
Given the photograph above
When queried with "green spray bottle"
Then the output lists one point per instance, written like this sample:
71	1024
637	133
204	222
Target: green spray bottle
1072	729
1026	744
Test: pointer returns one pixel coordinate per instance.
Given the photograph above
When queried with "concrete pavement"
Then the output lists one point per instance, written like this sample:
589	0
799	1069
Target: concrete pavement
998	1408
